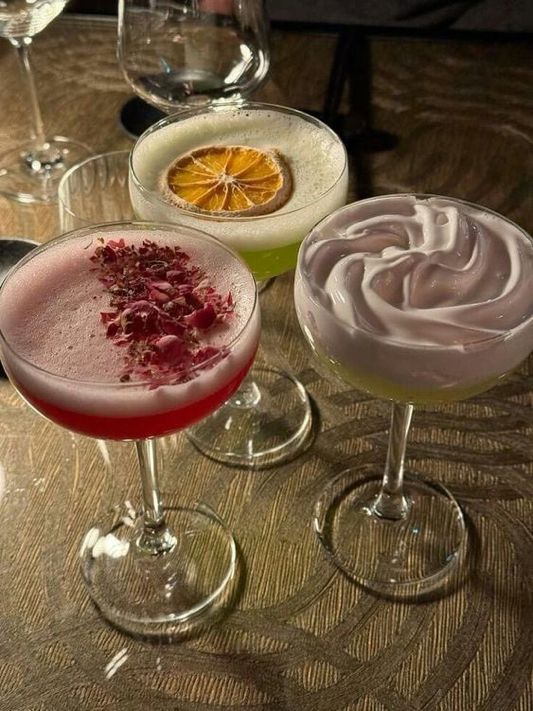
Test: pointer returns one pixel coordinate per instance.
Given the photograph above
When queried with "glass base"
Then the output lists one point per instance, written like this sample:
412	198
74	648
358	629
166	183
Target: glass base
268	421
31	175
408	557
166	594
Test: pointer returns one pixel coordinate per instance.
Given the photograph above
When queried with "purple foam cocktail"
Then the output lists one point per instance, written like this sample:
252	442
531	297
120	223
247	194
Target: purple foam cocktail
130	331
415	299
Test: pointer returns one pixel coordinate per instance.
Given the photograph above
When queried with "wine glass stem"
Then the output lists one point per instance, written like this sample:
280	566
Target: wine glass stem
23	50
156	538
391	503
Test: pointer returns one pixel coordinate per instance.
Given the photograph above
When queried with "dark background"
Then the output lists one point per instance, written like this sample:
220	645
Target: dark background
471	15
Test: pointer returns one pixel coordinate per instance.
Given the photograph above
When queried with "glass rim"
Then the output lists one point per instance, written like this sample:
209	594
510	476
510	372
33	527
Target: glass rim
418	196
78	166
229	106
117	226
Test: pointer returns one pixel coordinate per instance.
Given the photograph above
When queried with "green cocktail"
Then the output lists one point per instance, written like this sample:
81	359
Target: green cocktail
258	177
269	240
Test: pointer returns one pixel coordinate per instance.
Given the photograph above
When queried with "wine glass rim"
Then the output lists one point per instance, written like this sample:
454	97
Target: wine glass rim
78	166
117	226
232	106
418	196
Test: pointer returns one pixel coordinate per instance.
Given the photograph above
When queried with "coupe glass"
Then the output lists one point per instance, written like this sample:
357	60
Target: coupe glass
30	172
270	419
164	570
192	53
415	299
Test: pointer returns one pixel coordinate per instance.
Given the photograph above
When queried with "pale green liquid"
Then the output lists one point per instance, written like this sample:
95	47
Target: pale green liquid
268	263
264	263
382	388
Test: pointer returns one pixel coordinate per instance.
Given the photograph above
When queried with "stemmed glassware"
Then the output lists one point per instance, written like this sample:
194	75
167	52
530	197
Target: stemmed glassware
192	53
417	299
30	172
164	570
269	420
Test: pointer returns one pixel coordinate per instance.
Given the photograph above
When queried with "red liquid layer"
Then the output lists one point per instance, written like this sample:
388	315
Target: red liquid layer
124	428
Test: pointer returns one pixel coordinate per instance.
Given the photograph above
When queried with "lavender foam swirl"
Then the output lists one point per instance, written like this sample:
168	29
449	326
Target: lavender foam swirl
418	274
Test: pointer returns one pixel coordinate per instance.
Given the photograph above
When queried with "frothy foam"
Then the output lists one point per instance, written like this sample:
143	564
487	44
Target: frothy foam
316	157
50	315
421	278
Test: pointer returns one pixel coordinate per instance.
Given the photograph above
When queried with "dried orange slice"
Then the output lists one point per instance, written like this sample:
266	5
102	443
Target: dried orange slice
228	180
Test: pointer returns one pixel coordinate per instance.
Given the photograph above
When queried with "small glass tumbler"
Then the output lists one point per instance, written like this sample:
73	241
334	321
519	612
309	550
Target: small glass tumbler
95	191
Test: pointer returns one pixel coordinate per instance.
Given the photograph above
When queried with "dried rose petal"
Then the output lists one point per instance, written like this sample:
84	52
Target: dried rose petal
170	349
202	318
161	302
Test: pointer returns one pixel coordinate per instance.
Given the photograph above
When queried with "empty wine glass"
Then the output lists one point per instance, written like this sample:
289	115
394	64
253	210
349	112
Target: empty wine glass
194	52
416	299
30	172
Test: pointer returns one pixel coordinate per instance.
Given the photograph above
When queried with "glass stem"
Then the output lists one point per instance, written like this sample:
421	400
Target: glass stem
156	538
23	50
248	395
391	502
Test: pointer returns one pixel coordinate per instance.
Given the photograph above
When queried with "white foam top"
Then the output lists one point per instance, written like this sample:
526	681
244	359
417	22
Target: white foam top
394	284
316	157
50	315
422	271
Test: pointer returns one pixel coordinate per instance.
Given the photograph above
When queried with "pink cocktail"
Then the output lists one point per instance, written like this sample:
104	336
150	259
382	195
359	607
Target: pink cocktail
128	332
415	299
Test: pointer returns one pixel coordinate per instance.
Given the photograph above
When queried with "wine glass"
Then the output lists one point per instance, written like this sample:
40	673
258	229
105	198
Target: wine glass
30	172
193	53
78	319
416	299
270	419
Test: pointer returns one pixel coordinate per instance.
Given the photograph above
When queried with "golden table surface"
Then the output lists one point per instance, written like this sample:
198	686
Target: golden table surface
301	636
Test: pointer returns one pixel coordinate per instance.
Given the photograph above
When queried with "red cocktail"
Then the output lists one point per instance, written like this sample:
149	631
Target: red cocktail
131	331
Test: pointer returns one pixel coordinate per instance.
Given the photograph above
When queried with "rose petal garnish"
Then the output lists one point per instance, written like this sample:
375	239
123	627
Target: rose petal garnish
160	305
202	318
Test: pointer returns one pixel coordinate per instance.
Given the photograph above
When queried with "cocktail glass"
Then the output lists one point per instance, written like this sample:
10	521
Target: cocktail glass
416	299
165	570
255	428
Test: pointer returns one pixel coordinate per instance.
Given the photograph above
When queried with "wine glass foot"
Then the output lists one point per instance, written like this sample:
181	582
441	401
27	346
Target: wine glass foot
268	421
165	595
409	557
30	175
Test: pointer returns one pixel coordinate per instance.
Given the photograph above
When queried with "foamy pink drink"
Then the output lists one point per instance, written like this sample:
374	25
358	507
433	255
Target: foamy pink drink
417	298
413	298
57	350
